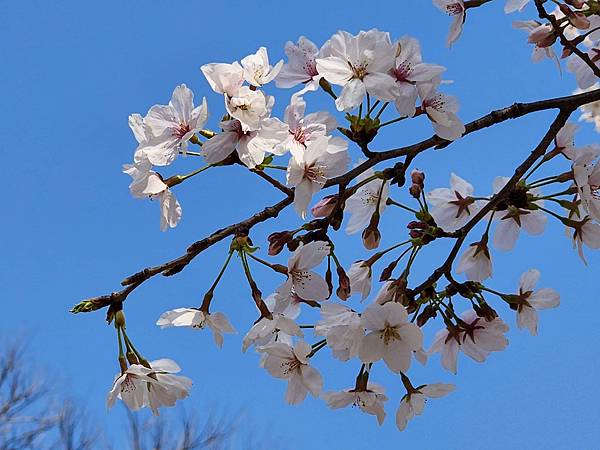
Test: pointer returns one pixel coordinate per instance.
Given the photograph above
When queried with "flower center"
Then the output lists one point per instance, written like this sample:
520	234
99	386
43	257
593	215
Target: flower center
299	135
402	71
390	334
454	9
315	174
359	70
290	366
181	130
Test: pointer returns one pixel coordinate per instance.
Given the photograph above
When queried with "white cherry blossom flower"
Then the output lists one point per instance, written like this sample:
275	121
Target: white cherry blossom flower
565	140
251	146
591	111
412	404
486	337
130	387
306	283
583	73
441	110
154	387
257	70
303	129
360	64
168	388
292	364
360	275
455	9
514	5
588	233
173	125
409	70
148	184
224	78
365	201
514	219
250	107
587	180
476	261
452	208
391	338
370	400
194	318
301	66
386	293
342	328
540	49
527	316
266	330
324	158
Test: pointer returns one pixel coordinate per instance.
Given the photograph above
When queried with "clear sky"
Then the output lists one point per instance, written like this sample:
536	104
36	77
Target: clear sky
71	74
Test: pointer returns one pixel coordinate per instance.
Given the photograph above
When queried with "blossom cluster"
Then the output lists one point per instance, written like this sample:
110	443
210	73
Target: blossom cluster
368	76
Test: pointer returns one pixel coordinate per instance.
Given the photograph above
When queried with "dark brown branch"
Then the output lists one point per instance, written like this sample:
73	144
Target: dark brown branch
568	103
276	184
462	233
563	39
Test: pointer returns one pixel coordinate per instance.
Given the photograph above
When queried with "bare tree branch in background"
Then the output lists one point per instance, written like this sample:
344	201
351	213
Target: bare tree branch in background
33	416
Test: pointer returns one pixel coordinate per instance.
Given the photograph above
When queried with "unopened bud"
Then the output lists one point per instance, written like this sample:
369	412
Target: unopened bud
343	291
418	177
577	19
415	190
428	313
485	311
277	240
578	4
120	319
325	206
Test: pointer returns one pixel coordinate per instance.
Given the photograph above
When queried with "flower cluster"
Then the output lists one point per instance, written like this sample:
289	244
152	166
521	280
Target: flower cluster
368	76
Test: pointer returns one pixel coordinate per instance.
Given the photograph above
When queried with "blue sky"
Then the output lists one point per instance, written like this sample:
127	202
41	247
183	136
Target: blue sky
73	72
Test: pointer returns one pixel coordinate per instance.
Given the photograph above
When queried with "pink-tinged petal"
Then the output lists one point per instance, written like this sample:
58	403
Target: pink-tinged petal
411	336
351	96
374	317
311	379
437	390
528	318
544	298
296	391
397	356
450	356
506	234
528	280
404	414
371	347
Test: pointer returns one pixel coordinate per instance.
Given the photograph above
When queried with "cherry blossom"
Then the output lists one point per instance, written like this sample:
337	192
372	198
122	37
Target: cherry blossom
257	70
153	386
365	201
587	179
537	32
452	208
531	301
360	279
391	338
441	110
307	284
583	73
303	129
409	71
514	5
224	78
250	107
148	184
565	140
195	318
324	158
301	66
586	232
370	400
172	126
515	218
250	146
476	261
343	329
359	64
413	403
483	338
265	331
455	9
590	111
292	364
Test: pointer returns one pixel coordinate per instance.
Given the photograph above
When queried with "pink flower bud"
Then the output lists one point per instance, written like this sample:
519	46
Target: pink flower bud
543	36
277	240
577	19
415	190
417	177
371	238
325	206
